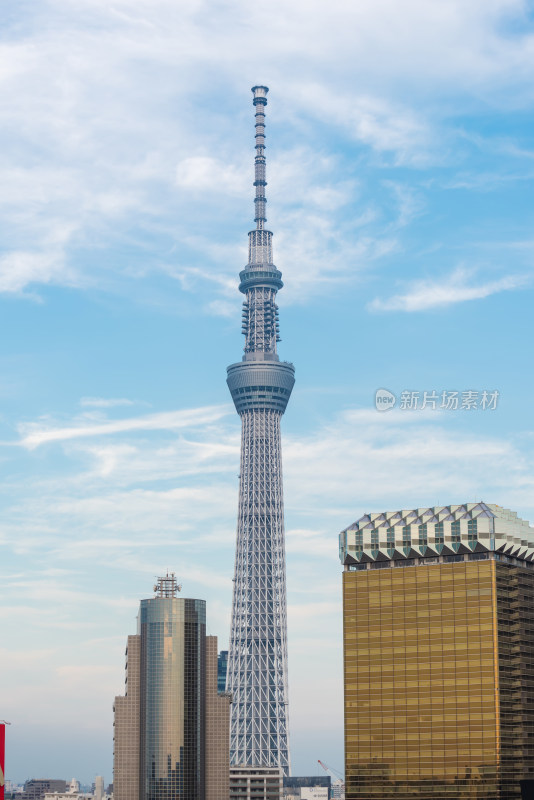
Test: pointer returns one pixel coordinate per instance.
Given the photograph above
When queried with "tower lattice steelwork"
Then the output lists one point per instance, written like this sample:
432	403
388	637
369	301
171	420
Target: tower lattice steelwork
260	386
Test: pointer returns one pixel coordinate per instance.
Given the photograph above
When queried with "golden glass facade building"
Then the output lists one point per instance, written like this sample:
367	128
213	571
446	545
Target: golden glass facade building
439	654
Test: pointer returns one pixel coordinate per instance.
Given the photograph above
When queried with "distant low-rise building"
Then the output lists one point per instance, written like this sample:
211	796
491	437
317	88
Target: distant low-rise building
72	792
338	790
259	783
314	793
36	788
309	787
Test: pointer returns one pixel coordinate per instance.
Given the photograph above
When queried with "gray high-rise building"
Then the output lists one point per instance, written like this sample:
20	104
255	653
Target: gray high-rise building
260	385
171	729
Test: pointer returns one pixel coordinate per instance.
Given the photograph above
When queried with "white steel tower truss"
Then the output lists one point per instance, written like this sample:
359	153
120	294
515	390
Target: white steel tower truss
260	386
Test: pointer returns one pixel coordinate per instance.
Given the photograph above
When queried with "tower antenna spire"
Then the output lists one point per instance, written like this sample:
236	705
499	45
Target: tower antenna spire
260	101
260	385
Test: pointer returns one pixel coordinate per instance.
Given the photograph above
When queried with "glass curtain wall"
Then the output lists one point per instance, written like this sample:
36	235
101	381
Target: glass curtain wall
439	677
173	661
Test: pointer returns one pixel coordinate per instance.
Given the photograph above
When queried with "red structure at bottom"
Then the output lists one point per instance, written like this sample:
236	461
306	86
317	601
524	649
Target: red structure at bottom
2	758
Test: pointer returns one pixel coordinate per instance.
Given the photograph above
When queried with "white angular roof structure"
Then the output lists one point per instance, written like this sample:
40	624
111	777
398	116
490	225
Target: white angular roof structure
438	531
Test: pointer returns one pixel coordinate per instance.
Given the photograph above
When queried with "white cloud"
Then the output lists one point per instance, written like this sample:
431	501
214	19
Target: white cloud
409	204
321	253
61	592
384	125
224	308
308	191
19	269
418	457
205	173
186	488
113	147
311	611
36	434
105	402
457	288
310	542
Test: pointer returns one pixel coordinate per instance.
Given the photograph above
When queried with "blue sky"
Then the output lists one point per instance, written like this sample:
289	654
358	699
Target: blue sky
400	169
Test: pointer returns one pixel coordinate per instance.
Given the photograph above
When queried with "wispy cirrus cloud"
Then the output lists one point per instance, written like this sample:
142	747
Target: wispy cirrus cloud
384	125
178	486
203	173
459	287
324	233
105	153
106	402
417	456
22	268
36	434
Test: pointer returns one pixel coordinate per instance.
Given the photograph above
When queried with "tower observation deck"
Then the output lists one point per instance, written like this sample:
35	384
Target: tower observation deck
260	385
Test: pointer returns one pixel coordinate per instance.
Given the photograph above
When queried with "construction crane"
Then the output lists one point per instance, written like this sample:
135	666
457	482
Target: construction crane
334	774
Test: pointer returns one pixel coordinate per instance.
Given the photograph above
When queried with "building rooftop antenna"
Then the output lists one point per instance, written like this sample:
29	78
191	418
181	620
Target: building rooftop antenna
167	585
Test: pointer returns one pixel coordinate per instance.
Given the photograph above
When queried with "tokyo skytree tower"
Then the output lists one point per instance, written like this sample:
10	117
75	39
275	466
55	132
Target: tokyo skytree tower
260	385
